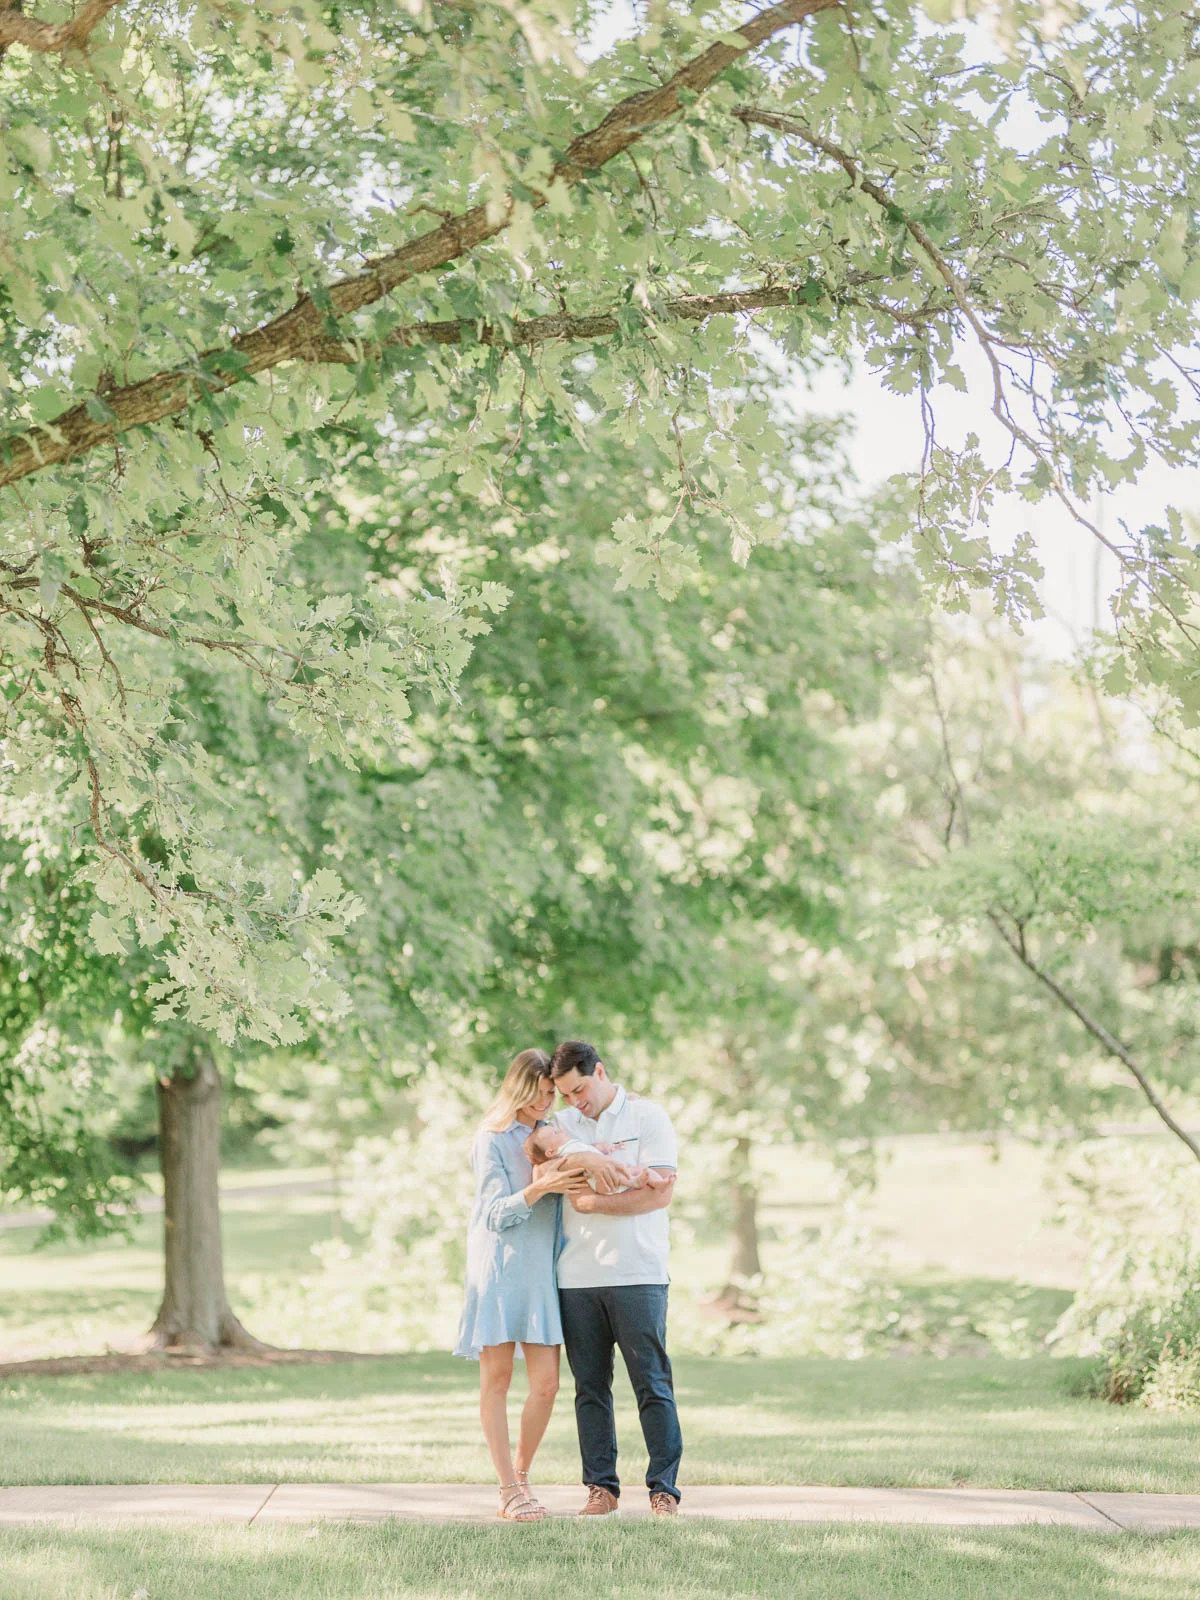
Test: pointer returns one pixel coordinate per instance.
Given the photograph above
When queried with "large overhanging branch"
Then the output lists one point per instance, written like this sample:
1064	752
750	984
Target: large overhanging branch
288	337
50	38
559	325
563	326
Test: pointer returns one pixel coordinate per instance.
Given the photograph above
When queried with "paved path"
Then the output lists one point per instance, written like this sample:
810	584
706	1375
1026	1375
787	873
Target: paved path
259	1503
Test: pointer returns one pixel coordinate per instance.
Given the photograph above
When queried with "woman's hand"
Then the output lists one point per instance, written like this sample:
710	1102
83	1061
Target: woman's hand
555	1180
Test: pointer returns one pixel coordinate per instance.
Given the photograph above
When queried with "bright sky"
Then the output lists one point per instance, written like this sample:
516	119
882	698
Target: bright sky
1079	575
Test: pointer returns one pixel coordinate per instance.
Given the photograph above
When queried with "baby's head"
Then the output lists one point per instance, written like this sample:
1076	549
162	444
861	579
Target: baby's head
543	1143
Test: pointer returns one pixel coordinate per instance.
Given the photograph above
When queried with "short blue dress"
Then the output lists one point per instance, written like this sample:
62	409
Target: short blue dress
512	1295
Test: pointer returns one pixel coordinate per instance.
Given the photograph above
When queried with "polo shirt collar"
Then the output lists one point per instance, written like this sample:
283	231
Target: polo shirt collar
616	1105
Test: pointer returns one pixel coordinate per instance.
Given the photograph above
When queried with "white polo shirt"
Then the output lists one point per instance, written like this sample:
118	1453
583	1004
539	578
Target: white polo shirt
603	1252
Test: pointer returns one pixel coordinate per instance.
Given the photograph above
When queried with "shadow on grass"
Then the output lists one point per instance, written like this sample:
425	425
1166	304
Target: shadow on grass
917	1421
26	1306
257	1239
988	1312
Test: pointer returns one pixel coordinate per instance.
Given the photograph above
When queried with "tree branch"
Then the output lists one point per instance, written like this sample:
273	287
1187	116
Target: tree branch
958	800
986	339
1097	1029
287	337
49	38
558	325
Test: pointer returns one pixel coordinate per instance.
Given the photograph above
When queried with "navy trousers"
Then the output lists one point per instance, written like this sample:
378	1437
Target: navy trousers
632	1318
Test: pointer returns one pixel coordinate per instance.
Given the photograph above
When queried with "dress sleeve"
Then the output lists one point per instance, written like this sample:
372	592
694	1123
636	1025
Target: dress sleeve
499	1206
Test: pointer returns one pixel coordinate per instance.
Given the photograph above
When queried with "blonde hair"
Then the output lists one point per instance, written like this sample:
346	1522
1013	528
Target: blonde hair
524	1082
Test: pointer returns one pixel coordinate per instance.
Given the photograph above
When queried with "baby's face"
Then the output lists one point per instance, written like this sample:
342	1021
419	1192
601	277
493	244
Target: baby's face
552	1140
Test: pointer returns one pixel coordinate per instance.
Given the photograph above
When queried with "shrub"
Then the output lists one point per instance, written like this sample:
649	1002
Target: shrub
1175	1383
1154	1357
1138	1309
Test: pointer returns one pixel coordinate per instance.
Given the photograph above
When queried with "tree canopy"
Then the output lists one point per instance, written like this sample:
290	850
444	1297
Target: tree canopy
219	274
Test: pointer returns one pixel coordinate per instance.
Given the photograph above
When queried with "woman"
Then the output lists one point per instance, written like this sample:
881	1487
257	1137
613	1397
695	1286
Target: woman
511	1293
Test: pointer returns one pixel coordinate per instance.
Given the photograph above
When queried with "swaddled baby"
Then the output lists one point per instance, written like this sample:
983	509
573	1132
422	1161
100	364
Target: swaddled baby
543	1144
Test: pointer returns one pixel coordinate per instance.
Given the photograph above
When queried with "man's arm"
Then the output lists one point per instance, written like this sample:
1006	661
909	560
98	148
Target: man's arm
632	1203
607	1174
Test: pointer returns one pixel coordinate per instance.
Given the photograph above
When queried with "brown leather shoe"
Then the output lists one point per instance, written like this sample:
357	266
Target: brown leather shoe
600	1502
663	1504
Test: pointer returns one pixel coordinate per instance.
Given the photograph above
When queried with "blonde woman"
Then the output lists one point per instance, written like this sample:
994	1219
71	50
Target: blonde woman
512	1297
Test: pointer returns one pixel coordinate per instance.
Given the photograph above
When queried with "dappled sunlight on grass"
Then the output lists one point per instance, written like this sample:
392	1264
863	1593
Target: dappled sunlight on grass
78	1299
70	1298
566	1558
912	1421
915	1422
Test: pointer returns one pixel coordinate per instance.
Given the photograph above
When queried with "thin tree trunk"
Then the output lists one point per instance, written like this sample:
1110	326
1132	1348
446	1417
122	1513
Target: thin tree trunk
195	1312
737	1301
744	1261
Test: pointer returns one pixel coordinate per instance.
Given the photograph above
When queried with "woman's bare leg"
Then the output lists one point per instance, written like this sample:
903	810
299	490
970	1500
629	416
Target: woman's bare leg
495	1375
541	1365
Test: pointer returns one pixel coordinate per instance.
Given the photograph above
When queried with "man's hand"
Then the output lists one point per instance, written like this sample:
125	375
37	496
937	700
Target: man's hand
633	1203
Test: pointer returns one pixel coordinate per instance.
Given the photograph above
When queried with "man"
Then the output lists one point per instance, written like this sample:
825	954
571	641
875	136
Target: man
612	1279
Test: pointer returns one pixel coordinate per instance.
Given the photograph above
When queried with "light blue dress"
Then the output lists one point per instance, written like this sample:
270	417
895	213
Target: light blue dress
511	1249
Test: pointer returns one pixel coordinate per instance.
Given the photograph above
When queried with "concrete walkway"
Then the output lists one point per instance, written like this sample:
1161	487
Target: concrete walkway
440	1502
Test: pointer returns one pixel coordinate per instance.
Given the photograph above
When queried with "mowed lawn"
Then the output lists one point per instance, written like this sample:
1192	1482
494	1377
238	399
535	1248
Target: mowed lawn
918	1421
953	1217
914	1420
906	1420
74	1298
564	1560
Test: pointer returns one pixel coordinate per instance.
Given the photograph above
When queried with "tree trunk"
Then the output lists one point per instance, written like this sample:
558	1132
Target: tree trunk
745	1261
195	1313
736	1301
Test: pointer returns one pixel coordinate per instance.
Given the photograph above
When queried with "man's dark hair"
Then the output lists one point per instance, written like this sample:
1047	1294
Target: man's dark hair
574	1056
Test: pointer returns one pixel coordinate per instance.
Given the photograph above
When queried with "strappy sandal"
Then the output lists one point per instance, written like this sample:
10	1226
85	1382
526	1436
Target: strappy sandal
523	1480
516	1505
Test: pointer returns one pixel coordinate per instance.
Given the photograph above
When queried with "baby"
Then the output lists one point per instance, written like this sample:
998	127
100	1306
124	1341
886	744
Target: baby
543	1144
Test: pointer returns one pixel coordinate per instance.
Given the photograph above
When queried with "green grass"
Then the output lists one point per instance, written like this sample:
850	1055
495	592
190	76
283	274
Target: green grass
1013	1424
563	1561
76	1299
967	1232
944	1208
977	1420
986	1262
916	1421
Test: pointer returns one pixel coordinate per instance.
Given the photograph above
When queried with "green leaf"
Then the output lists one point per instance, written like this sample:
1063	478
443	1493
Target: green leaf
108	934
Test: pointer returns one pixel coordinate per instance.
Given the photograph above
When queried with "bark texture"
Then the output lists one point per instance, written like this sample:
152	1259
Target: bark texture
290	337
195	1313
50	38
557	325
